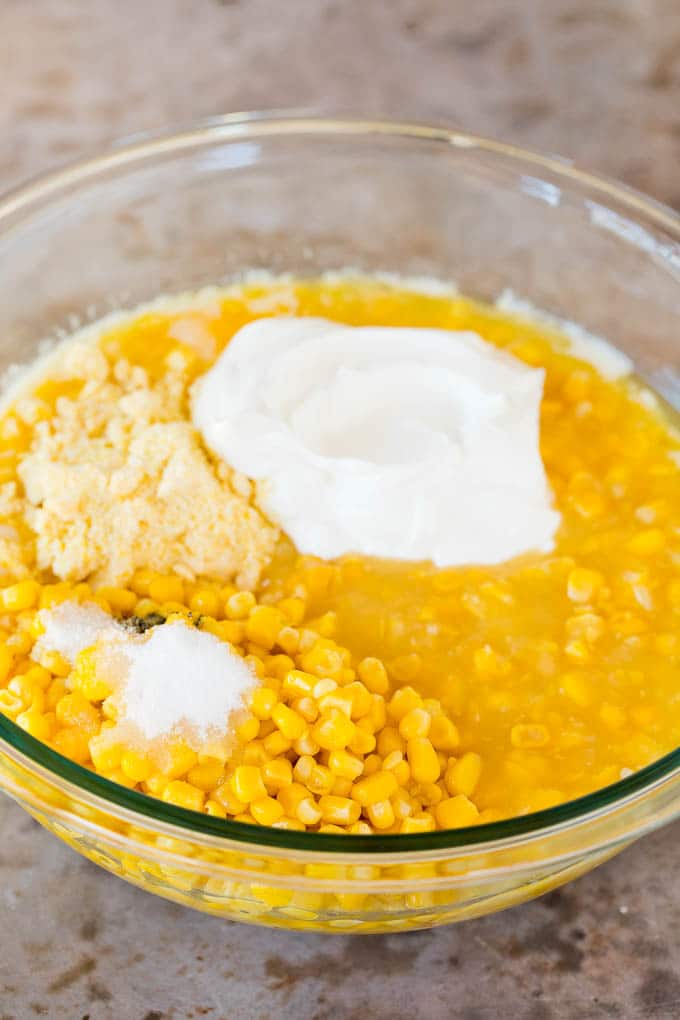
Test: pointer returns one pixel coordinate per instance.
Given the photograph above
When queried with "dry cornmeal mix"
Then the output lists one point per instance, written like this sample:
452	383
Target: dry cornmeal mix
159	626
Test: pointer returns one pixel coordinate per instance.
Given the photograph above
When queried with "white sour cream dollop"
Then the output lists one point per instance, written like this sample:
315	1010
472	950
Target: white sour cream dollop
412	444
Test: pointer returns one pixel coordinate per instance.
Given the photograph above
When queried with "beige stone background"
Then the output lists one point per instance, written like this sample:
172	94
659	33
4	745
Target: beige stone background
595	80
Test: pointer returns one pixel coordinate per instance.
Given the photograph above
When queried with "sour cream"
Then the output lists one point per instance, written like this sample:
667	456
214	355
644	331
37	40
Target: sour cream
412	444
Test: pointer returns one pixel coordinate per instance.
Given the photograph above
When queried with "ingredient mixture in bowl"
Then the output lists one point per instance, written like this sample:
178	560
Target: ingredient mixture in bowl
386	561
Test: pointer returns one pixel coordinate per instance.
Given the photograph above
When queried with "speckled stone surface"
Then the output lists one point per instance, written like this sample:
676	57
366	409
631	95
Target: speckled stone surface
596	80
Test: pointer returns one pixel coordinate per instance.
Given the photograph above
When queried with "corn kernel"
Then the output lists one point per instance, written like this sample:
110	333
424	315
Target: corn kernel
334	731
381	814
22	595
463	775
422	760
291	725
183	795
266	811
456	812
167	589
415	723
372	789
247	783
583	584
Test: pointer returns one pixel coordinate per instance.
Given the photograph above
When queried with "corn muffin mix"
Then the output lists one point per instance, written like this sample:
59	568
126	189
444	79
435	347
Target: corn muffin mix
380	695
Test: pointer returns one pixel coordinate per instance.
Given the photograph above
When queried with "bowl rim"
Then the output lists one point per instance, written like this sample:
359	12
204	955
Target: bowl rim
136	149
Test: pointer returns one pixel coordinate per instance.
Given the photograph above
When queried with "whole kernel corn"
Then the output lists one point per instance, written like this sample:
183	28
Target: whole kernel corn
415	723
456	812
183	795
463	775
22	595
378	787
334	730
247	784
422	760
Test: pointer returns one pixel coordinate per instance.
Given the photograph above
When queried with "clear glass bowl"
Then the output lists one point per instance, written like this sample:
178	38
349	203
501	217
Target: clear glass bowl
301	196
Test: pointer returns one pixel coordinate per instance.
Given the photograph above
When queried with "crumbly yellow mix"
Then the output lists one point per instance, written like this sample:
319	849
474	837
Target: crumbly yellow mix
116	478
514	687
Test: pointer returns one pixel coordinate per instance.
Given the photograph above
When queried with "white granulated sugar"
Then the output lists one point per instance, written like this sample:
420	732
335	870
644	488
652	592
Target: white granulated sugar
181	677
71	627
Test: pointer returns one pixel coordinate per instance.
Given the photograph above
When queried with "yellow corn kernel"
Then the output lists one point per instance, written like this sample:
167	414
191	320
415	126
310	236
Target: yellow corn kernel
389	740
263	700
381	814
529	735
239	605
463	775
53	594
205	602
422	760
266	811
105	755
155	784
147	606
339	810
456	812
183	795
429	793
276	744
289	823
362	743
247	783
378	787
298	684
121	600
84	677
345	765
374	675
10	704
35	723
334	731
167	589
263	625
136	766
291	725
248	729
293	609
307	811
402	702
30	692
55	663
206	776
214	809
277	774
577	689
418	823
288	640
415	723
307	708
583	584
341	698
254	753
176	760
290	796
19	596
75	710
648	542
141	581
73	744
306	744
443	734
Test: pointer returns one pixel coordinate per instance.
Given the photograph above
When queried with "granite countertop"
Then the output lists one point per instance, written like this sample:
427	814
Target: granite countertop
597	80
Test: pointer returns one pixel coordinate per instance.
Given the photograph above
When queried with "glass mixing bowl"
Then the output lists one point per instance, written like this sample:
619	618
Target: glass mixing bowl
301	196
